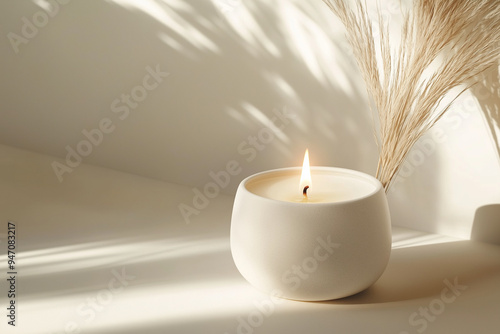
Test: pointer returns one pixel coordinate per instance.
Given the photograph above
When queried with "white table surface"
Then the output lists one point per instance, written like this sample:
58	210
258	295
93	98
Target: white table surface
74	238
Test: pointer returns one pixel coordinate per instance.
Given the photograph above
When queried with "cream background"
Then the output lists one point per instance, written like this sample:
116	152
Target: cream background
233	65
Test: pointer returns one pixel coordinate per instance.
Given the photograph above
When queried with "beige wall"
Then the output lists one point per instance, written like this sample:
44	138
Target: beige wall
233	66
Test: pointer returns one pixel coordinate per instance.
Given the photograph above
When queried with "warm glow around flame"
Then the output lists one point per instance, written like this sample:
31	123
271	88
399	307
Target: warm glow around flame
305	178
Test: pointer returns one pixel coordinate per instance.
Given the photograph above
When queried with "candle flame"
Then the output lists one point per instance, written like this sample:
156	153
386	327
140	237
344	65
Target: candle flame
305	178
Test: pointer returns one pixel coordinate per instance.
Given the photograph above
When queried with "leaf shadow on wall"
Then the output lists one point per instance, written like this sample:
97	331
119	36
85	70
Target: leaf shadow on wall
233	67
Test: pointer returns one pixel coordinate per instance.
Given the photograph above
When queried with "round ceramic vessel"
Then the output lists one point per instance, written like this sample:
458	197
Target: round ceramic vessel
311	251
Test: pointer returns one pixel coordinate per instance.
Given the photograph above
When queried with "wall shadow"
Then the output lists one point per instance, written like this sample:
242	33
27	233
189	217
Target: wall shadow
231	65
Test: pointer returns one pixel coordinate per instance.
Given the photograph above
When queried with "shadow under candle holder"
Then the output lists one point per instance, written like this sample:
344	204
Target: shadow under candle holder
423	271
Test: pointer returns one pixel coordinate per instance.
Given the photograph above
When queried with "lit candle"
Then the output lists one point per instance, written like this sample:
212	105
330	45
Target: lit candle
311	233
305	177
330	184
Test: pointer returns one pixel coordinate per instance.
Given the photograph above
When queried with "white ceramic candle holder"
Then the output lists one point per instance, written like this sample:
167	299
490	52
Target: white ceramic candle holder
332	247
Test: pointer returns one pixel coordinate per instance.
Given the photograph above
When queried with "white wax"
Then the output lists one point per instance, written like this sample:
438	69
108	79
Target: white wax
327	185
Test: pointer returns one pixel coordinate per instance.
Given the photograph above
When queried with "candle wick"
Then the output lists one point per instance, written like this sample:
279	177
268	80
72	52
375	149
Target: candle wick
304	192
